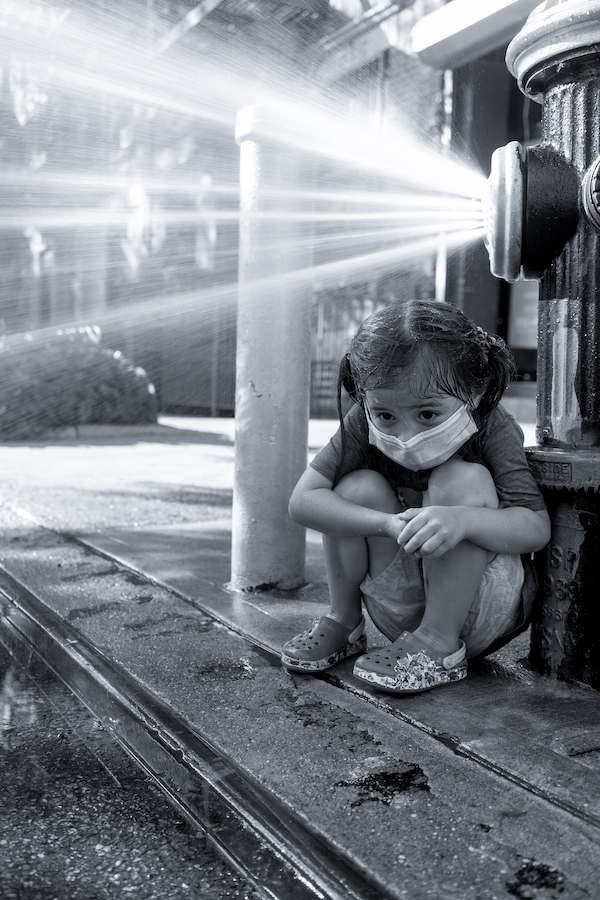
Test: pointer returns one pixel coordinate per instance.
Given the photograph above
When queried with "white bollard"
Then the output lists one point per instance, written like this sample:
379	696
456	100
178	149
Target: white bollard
273	357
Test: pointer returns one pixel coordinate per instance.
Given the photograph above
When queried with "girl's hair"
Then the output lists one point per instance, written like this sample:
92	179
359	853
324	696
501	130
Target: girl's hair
437	346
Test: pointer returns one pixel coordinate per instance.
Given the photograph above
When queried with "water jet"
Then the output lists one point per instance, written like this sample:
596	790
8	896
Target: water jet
282	256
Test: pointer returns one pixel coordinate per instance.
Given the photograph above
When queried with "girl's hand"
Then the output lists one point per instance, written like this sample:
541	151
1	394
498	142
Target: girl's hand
431	530
395	525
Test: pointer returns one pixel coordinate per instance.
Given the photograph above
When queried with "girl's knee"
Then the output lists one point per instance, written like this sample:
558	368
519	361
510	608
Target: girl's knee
368	488
461	483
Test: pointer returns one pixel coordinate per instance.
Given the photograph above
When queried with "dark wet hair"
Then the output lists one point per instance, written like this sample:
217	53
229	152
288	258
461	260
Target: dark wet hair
433	343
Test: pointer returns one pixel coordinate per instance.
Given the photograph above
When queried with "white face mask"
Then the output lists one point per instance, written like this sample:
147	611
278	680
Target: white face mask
430	448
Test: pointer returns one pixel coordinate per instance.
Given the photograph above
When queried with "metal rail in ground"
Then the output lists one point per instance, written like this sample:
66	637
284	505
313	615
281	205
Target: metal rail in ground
275	851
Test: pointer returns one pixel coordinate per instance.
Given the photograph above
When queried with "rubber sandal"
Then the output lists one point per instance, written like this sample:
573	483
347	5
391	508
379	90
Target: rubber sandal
408	666
324	645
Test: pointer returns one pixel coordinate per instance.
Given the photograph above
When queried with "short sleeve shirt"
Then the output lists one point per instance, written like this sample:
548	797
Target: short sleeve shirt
501	452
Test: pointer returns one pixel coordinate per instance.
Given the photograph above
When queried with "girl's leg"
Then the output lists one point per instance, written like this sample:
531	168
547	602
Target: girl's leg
349	559
452	580
340	633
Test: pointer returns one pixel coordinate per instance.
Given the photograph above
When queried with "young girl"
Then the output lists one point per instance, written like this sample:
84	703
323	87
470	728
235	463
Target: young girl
425	501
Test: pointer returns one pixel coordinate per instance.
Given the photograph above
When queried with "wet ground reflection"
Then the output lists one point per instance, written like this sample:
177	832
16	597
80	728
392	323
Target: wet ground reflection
79	820
18	705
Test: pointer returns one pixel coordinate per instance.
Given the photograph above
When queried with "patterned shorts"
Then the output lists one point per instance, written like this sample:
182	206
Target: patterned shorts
395	600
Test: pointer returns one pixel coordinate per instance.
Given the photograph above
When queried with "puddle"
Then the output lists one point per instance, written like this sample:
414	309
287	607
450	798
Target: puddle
533	877
134	578
85	576
86	612
384	787
225	669
266	656
201	625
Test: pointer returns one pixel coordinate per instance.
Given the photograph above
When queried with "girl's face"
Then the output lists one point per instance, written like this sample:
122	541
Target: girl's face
401	412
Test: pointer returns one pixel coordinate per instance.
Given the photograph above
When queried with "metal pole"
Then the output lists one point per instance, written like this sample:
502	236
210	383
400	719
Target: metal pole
273	356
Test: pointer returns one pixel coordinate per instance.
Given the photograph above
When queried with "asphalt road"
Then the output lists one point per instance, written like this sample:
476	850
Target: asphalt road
80	821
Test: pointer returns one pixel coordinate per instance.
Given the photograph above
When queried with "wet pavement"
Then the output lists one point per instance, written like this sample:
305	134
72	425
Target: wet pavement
80	820
116	553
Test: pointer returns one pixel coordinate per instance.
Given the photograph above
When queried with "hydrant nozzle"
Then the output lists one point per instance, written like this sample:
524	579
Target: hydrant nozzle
531	211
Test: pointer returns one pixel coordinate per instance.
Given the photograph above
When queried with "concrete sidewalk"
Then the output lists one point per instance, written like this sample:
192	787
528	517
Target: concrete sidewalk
115	564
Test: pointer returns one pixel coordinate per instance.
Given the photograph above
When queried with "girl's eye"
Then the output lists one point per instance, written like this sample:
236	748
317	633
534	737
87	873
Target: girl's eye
386	417
428	416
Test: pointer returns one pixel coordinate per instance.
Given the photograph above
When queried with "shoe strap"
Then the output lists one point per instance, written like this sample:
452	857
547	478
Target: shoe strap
325	623
407	643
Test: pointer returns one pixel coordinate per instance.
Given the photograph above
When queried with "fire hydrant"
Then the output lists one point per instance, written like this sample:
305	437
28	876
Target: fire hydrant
544	222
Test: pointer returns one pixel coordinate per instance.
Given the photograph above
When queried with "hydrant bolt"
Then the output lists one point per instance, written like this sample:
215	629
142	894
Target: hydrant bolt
591	194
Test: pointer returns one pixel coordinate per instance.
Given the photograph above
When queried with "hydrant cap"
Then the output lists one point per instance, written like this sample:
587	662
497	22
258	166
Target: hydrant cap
503	212
555	32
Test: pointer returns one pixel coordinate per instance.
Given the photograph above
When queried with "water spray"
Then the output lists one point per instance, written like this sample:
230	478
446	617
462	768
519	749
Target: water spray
543	222
281	213
281	146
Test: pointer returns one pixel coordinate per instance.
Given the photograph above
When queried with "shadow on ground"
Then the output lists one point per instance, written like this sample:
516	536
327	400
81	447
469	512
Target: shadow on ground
118	435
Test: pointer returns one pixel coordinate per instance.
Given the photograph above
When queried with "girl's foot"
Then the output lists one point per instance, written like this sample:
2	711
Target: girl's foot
409	666
324	645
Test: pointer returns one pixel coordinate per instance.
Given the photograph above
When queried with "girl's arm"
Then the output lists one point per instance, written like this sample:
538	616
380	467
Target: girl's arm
315	505
513	528
430	531
434	530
